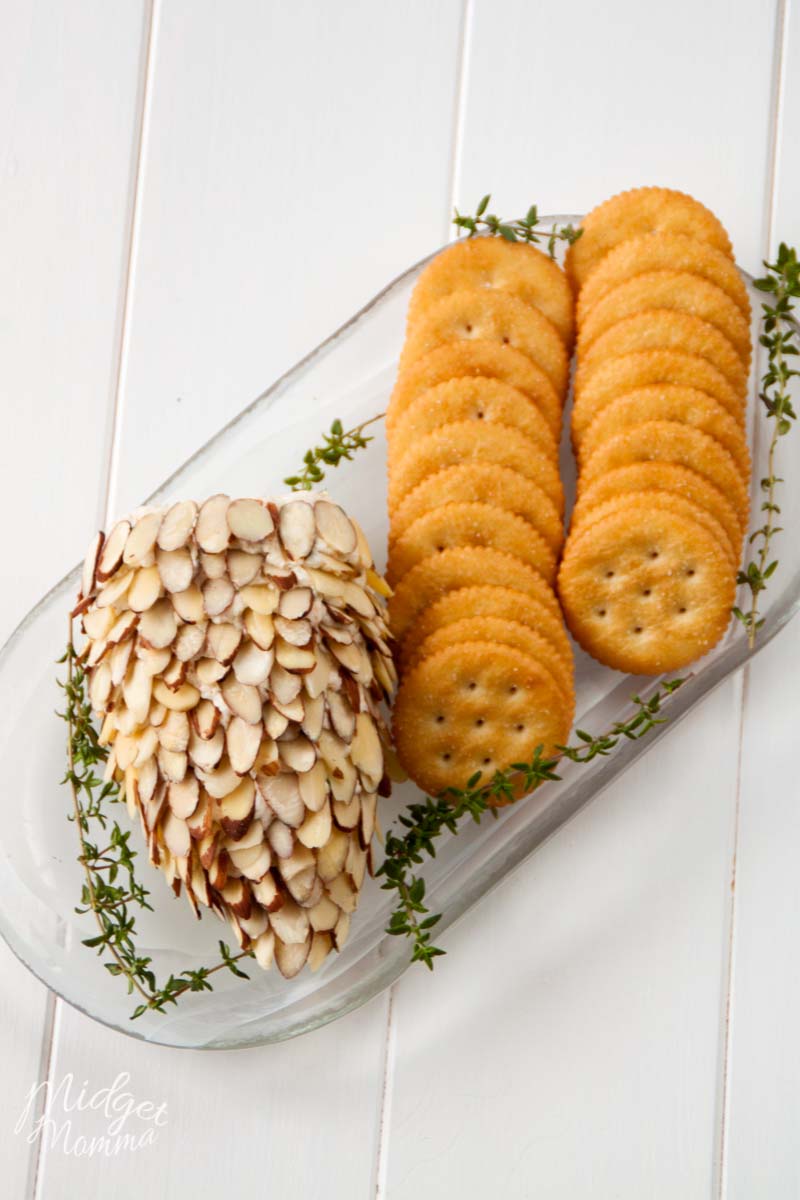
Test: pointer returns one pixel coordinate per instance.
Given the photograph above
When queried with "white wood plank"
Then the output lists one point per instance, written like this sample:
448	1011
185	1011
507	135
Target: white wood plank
68	104
763	1129
578	1025
296	157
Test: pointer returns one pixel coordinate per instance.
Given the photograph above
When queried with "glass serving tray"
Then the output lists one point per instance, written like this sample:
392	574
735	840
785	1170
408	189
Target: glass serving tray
349	376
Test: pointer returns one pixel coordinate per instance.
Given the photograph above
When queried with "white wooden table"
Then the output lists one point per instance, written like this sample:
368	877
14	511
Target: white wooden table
192	195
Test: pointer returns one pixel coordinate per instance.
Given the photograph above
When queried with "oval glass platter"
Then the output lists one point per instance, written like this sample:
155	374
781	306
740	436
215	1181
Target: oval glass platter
350	377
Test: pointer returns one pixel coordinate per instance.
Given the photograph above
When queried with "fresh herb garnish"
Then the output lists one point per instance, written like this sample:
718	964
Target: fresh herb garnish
779	337
338	446
522	230
423	823
111	891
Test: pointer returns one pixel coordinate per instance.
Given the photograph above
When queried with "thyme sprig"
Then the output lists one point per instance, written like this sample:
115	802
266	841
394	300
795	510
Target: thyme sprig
337	446
110	890
779	337
522	230
428	820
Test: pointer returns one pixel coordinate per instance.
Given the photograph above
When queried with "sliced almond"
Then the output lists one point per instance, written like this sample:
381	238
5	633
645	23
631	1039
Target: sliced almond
333	855
321	946
189	604
218	870
301	886
172	764
347	814
334	527
183	797
200	820
185	698
224	640
175	568
189	642
260	628
298	861
96	652
156	661
158	625
250	520
211	532
294	711
280	838
283	580
290	959
148	744
342	716
356	863
214	566
252	664
116	591
267	757
205	719
236	809
98	622
369	808
205	753
137	690
209	671
282	793
295	603
122	628
238	897
147	778
220	781
313	717
175	674
297	528
253	862
313	786
126	748
267	894
173	734
261	597
298	755
264	949
145	589
366	751
317	680
243	567
90	564
241	698
296	633
327	585
324	915
256	924
316	828
341	931
294	658
253	836
177	525
242	741
284	687
342	892
176	835
290	923
142	539
111	554
218	596
275	722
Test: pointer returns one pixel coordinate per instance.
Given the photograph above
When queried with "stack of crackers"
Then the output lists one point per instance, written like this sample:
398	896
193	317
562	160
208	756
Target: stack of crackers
647	579
476	514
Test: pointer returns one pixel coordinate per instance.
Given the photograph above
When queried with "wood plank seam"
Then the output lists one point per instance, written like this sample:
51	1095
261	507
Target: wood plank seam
770	205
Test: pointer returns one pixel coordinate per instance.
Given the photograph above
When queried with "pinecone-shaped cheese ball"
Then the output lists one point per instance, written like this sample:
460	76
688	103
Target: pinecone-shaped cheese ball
238	657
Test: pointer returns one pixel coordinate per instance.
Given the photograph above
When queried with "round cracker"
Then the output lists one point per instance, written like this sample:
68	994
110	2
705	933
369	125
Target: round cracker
616	376
473	399
491	316
489	600
671	442
481	359
663	252
462	566
665	329
469	525
635	212
675	290
491	262
663	501
667	402
656	477
475	707
503	633
646	592
482	481
466	441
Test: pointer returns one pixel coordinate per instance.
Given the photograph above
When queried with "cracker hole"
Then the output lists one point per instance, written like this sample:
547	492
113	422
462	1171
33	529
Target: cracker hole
480	416
446	757
479	721
520	728
690	571
506	341
682	609
486	762
609	574
654	554
601	612
440	548
646	591
439	719
468	328
472	685
637	629
512	689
